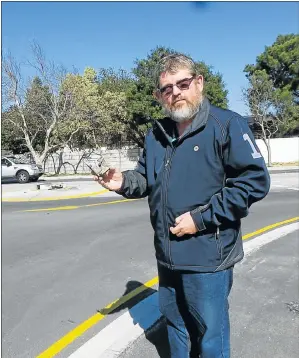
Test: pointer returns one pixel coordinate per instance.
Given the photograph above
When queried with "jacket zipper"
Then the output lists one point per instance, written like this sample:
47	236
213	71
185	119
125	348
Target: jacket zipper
217	241
166	177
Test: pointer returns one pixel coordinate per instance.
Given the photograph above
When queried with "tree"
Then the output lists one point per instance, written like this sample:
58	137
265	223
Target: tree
41	108
99	110
261	99
11	136
288	111
122	84
214	88
37	112
280	62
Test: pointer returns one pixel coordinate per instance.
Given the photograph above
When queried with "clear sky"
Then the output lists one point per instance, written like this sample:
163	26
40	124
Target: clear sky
226	35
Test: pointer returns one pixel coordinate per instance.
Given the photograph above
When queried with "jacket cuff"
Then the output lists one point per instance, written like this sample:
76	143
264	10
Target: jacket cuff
121	189
198	219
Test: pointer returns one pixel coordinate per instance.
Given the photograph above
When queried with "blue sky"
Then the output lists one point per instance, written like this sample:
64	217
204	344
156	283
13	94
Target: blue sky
226	35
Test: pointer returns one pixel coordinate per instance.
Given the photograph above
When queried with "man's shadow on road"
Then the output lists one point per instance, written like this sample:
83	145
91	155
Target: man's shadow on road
157	335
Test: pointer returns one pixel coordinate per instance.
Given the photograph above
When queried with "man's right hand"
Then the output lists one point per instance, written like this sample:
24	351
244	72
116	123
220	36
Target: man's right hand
111	180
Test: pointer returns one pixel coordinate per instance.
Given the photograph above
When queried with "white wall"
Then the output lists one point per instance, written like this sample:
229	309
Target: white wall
283	150
124	159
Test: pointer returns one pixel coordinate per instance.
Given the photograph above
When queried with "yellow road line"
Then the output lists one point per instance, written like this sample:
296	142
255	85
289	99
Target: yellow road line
70	207
110	202
55	198
76	207
269	227
62	343
84	326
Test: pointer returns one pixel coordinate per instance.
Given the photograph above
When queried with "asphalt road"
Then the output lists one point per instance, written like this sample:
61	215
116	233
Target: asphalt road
60	266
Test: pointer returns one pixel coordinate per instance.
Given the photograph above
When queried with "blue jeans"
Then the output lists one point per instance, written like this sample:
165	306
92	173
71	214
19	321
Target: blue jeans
196	309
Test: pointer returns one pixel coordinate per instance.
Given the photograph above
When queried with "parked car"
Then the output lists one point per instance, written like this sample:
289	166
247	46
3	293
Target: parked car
14	168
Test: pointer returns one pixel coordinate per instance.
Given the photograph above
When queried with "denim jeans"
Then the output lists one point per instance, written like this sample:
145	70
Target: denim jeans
195	306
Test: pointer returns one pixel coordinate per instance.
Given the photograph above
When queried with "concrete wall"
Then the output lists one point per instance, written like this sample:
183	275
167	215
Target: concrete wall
284	150
124	158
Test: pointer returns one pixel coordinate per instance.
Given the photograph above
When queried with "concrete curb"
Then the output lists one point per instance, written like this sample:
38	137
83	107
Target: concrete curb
53	198
146	316
271	171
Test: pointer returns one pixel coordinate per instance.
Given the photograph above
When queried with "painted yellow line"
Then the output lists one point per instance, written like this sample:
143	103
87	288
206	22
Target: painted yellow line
70	207
83	327
62	343
55	198
76	207
269	227
110	202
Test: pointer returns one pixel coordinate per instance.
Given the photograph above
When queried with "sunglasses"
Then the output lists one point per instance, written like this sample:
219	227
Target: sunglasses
183	85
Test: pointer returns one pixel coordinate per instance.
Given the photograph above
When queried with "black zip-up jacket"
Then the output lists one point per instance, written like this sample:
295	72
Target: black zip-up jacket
215	171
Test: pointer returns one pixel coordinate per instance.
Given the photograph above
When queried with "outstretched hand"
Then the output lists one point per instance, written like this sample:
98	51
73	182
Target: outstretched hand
184	224
111	180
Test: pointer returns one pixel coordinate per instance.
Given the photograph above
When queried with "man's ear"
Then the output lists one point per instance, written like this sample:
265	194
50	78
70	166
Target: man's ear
157	95
200	82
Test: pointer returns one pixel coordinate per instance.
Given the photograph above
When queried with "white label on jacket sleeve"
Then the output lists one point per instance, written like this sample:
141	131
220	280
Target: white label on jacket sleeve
255	154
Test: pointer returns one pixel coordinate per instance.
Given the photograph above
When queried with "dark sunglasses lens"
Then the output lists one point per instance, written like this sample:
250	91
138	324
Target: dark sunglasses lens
166	91
184	84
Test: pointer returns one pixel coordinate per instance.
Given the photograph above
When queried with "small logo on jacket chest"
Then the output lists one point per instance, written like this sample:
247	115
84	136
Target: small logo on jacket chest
196	148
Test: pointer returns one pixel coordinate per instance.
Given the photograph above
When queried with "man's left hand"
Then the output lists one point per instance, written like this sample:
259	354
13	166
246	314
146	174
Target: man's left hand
184	224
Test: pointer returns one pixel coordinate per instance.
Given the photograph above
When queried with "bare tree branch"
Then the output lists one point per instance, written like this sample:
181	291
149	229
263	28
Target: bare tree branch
51	77
260	99
15	124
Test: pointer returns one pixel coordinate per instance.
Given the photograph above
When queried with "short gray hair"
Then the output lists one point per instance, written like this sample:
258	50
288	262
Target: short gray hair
172	64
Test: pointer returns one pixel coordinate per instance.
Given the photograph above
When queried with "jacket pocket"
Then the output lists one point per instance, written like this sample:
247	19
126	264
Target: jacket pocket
201	249
196	250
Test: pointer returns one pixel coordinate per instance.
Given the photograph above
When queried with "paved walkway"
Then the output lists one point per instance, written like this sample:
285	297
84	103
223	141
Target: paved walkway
52	191
15	192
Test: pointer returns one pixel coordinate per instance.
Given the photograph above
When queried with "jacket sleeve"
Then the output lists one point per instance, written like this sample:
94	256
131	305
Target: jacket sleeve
247	179
134	184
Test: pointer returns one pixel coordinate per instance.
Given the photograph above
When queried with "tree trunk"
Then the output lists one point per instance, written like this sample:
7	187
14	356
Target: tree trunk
60	163
37	158
267	143
269	154
83	156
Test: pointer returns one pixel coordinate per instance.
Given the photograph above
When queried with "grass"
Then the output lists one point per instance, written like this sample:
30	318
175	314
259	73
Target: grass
275	164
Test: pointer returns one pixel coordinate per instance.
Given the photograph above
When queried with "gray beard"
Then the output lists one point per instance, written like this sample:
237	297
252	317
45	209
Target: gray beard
182	114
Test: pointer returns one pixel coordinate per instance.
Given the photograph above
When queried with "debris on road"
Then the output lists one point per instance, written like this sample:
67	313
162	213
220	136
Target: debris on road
293	307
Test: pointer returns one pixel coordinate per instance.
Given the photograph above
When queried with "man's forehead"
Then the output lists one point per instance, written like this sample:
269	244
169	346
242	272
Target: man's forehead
180	74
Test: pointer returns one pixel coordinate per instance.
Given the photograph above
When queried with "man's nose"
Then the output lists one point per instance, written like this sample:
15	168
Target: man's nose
176	90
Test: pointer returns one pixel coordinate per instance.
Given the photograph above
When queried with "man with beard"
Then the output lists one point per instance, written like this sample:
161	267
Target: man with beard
201	171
